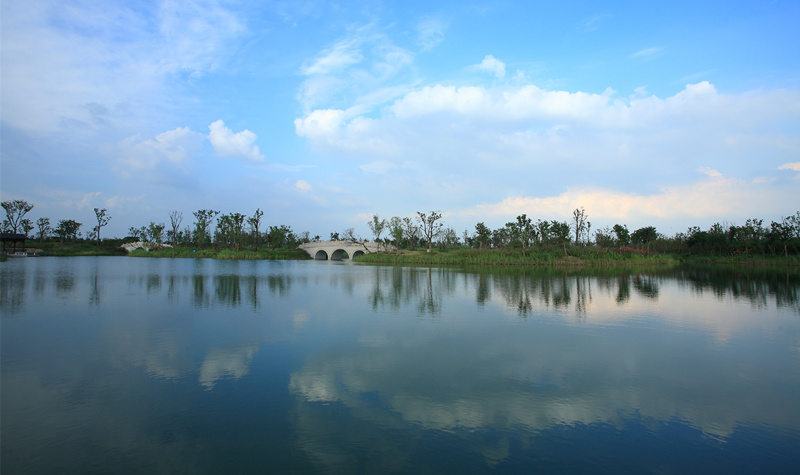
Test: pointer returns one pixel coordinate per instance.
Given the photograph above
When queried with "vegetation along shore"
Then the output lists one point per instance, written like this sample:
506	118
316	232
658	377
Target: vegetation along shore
423	239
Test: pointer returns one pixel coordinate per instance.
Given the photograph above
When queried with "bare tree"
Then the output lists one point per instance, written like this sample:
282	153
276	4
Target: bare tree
175	218
429	225
102	220
579	223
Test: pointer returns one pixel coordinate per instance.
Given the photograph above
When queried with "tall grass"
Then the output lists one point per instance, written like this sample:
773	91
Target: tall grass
181	252
514	257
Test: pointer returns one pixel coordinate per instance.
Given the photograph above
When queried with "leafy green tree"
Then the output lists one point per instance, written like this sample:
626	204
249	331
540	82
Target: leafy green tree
622	234
525	231
255	226
377	226
15	212
204	218
335	237
430	225
644	236
603	237
26	225
156	232
102	220
67	230
396	230
230	229
411	232
560	233
483	234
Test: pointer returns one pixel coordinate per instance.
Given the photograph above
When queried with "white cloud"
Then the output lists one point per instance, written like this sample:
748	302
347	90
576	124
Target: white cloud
791	166
430	32
342	55
648	53
173	149
711	198
493	66
482	144
235	145
303	186
362	62
60	59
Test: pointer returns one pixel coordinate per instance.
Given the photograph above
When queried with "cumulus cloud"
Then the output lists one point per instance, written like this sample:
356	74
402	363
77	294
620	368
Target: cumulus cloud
492	65
709	198
483	144
173	149
791	166
236	145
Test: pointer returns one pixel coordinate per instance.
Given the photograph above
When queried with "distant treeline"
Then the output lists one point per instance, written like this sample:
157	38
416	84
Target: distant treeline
235	231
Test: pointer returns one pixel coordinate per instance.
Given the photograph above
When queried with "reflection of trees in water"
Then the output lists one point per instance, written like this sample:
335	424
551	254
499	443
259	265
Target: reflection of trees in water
571	289
231	290
759	286
227	290
65	282
12	290
646	285
425	288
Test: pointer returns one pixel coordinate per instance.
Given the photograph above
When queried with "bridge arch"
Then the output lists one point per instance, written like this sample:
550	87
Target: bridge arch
336	250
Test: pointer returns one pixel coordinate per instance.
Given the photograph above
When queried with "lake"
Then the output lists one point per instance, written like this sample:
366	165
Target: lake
140	365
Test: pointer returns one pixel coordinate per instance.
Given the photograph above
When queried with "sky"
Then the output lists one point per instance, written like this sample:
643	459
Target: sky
322	114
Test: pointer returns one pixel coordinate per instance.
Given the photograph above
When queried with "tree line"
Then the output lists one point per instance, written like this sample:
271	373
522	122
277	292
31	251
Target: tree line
236	231
754	237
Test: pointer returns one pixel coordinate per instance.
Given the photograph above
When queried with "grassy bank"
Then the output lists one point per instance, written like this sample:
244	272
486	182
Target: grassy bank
54	248
180	252
514	257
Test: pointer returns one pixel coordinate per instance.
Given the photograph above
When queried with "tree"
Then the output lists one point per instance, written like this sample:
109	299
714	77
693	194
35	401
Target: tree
156	232
102	220
44	228
67	229
411	232
579	223
377	226
560	232
396	230
349	234
255	224
335	237
15	211
524	231
204	219
623	235
230	228
430	225
175	218
644	236
483	233
26	225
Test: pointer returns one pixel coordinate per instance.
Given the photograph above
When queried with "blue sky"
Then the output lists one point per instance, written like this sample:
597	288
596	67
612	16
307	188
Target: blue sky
322	114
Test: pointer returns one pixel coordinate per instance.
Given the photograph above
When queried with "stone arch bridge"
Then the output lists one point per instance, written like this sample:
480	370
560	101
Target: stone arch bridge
335	250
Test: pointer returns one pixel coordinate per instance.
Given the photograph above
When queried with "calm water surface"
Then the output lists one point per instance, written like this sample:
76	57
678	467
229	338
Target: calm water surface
124	365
